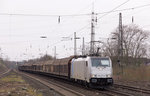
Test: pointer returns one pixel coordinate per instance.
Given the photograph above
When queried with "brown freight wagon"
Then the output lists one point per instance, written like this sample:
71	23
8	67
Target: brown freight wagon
47	66
58	67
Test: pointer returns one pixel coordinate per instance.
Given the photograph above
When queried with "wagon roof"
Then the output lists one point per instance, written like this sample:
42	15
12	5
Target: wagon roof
27	64
48	62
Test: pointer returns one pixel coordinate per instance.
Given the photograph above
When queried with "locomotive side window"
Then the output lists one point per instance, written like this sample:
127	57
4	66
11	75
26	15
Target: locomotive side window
96	62
86	63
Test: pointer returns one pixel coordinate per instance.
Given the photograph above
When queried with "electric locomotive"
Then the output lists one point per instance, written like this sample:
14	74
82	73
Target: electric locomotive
94	70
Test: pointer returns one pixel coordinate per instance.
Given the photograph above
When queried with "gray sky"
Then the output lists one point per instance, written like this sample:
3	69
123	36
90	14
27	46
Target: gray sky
20	34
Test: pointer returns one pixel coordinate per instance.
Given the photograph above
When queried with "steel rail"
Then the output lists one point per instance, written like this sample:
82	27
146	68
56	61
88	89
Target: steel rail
119	92
58	88
3	73
107	93
133	88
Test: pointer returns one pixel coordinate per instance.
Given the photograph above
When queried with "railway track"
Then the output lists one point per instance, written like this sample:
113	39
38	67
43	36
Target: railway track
108	92
117	92
46	81
64	90
112	92
4	73
136	89
54	86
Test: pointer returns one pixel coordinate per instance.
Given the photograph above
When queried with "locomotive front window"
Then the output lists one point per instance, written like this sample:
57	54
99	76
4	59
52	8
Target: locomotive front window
96	62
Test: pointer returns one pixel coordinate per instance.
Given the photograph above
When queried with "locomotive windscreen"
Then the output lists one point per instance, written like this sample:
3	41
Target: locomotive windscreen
98	62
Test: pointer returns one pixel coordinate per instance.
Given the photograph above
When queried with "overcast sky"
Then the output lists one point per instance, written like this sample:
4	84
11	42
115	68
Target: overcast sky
20	32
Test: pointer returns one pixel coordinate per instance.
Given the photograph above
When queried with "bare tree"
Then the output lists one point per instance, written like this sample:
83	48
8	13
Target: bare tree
134	43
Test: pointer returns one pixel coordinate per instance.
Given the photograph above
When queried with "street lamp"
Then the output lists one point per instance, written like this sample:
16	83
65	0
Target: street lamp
43	37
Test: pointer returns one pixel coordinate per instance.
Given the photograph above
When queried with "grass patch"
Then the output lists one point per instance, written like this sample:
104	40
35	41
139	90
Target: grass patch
14	85
33	92
12	78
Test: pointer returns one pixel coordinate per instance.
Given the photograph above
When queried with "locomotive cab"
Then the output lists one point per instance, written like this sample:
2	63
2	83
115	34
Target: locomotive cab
101	71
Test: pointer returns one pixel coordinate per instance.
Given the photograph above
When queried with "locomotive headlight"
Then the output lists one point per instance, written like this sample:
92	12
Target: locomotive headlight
93	75
108	75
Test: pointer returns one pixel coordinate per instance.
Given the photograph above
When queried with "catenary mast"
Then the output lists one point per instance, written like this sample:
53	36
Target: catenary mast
92	31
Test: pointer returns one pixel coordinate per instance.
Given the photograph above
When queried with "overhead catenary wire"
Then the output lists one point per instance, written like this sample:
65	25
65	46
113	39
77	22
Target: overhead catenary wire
97	13
67	15
84	15
126	9
113	9
105	14
49	15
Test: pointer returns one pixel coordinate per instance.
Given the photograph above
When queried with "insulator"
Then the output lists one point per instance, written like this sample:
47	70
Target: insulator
59	19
